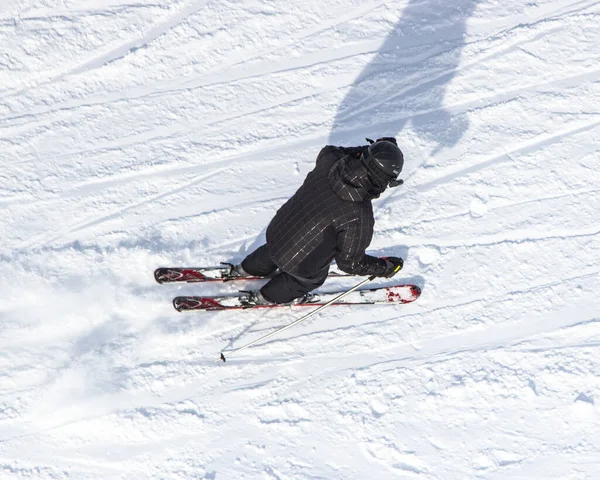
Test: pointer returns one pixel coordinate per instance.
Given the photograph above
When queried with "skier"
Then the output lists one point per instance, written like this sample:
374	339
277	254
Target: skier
329	217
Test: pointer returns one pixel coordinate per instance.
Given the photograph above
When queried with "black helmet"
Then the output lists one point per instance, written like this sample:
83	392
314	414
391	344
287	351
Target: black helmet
384	161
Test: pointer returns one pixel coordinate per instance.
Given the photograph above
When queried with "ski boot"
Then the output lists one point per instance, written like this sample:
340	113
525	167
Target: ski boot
235	271
306	298
253	299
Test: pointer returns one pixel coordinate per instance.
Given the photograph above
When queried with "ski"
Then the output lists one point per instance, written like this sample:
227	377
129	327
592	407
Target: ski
207	274
397	294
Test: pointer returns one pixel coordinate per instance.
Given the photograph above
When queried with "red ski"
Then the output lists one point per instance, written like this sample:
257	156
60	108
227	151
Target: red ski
207	274
397	294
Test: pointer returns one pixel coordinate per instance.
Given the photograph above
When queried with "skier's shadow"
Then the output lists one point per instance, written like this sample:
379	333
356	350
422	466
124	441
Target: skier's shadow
406	83
407	80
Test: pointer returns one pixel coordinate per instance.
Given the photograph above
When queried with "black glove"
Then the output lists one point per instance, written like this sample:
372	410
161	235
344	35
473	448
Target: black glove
392	266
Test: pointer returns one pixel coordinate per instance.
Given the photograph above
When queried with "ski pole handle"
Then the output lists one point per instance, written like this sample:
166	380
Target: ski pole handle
301	319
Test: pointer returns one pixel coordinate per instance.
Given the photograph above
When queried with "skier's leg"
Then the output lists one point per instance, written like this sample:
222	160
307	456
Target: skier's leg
259	263
284	288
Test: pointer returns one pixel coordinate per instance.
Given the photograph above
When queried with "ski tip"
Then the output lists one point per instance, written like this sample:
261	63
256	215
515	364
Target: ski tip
157	275
415	293
176	304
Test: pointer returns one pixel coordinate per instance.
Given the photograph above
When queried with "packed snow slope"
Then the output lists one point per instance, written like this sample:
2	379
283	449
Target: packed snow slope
142	134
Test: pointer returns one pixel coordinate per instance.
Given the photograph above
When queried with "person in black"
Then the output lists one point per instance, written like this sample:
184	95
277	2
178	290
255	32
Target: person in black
329	218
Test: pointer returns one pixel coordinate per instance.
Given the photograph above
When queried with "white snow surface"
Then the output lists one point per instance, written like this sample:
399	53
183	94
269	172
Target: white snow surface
137	134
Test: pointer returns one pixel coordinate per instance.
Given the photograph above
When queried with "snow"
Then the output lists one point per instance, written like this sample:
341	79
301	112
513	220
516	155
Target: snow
140	134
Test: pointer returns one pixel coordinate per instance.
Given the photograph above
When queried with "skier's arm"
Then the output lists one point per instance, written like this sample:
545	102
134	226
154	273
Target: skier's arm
352	242
356	152
351	151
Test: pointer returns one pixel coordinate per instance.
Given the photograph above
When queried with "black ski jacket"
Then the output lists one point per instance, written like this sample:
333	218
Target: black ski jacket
329	217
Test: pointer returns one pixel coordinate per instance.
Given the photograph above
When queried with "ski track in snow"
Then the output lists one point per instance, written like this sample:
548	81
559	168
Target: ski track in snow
135	135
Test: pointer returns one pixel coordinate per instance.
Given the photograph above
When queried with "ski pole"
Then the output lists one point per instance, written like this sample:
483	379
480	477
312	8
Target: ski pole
301	319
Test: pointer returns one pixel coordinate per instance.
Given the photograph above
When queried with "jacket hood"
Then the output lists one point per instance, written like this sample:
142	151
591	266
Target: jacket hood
350	180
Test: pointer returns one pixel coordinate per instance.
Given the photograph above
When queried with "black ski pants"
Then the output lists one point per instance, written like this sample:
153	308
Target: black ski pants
283	287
